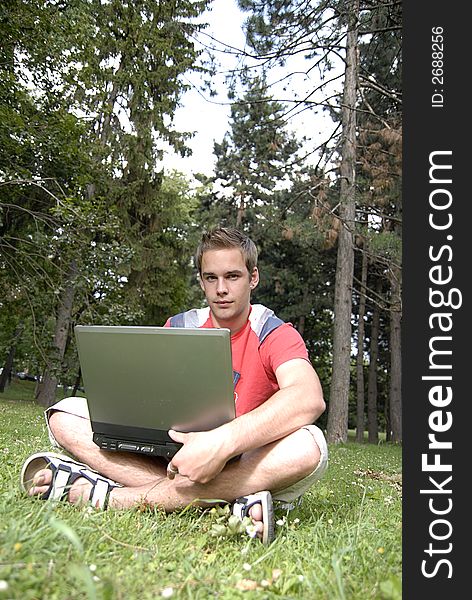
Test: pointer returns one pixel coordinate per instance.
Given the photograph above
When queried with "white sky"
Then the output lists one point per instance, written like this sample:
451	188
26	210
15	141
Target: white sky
209	116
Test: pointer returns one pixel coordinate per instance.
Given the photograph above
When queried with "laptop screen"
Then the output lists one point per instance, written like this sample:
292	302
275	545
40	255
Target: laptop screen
156	378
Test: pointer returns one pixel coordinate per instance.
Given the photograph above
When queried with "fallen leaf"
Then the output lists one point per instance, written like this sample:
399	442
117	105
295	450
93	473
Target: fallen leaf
246	585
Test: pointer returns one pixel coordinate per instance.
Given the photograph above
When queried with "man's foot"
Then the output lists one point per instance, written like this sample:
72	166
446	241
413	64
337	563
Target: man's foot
78	493
260	509
256	515
59	477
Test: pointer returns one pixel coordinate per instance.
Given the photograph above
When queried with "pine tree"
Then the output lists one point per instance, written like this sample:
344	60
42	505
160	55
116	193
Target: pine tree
118	66
256	154
277	30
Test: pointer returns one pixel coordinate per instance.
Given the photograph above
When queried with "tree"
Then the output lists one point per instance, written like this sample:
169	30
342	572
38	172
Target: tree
395	362
118	66
325	32
372	401
256	155
360	407
379	159
339	394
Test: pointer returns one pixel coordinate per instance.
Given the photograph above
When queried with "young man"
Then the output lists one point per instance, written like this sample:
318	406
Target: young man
278	398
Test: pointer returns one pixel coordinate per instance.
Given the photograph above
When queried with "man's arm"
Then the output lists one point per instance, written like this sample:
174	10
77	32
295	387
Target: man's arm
298	402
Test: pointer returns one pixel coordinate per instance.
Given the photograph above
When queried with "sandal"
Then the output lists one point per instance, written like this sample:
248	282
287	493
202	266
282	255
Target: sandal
243	504
65	471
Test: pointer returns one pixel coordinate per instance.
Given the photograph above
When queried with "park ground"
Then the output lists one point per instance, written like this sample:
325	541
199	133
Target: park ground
343	542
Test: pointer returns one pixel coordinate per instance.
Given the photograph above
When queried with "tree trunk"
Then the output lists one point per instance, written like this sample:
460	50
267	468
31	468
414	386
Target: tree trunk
302	318
388	429
47	389
339	395
395	397
240	215
77	382
301	325
360	354
5	376
372	413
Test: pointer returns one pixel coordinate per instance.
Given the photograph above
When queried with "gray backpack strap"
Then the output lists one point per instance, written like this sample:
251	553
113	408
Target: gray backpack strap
191	318
269	326
263	321
177	320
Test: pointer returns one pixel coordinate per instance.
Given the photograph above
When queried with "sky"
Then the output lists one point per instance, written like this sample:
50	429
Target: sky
209	117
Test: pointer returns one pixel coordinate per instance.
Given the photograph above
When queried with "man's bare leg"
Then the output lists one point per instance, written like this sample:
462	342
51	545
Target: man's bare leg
272	467
74	434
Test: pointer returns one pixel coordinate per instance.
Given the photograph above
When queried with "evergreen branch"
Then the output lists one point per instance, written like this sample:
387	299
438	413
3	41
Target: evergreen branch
307	100
383	30
33	317
48	220
291	49
378	259
369	83
371	295
371	110
36	269
379	214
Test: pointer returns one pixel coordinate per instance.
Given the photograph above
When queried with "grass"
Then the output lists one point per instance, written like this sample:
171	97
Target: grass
344	542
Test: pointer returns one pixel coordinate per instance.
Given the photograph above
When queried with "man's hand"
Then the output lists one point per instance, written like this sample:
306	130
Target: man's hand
202	456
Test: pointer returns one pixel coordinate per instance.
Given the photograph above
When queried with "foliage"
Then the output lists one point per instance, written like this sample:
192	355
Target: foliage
257	153
162	238
90	90
279	30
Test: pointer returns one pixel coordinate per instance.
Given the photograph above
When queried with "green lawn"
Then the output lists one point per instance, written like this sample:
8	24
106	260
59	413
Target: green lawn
344	542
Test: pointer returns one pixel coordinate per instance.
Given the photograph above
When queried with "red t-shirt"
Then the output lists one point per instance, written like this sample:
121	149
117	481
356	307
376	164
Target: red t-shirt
255	363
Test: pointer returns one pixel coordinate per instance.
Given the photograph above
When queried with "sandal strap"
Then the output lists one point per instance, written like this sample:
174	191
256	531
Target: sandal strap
61	483
100	493
243	505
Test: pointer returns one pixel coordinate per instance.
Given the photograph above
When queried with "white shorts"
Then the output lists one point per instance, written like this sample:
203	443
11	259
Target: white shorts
77	405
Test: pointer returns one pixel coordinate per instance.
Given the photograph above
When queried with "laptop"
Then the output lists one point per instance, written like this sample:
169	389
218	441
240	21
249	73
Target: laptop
142	381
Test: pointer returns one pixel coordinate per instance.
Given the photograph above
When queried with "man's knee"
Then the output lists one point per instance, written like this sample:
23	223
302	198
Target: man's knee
309	461
56	420
74	405
67	428
297	455
57	423
305	452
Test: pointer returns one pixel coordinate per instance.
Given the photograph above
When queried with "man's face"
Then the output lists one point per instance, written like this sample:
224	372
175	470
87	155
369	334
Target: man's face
227	285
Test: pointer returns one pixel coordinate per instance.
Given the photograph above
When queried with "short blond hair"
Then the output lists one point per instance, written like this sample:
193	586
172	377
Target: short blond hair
222	238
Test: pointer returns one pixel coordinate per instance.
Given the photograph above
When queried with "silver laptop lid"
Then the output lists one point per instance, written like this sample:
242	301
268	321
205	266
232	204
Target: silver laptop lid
157	377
